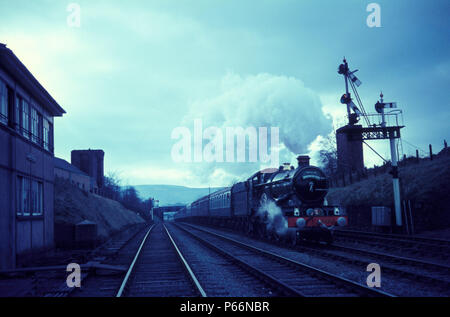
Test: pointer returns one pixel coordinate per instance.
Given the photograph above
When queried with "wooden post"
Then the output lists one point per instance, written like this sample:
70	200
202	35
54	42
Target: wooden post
431	153
445	144
406	217
417	156
410	216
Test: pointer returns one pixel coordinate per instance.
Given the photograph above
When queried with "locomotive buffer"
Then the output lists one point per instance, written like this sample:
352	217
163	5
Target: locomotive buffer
380	131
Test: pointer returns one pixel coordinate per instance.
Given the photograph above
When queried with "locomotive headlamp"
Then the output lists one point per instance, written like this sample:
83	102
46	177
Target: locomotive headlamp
300	222
342	221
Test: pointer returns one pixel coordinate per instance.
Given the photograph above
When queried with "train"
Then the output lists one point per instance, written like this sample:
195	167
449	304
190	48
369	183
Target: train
284	203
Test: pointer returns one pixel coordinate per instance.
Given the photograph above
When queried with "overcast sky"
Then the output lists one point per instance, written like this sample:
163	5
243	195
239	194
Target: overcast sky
135	70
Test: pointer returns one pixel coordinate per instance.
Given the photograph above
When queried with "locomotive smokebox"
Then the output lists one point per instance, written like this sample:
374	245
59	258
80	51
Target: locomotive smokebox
303	160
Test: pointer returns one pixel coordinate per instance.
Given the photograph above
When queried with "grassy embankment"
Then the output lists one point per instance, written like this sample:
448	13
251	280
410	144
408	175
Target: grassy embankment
426	183
73	205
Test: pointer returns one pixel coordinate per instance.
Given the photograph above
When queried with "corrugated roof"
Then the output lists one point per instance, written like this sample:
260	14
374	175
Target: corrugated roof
64	165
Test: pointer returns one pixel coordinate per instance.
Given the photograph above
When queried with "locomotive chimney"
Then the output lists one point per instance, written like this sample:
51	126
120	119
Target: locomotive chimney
303	160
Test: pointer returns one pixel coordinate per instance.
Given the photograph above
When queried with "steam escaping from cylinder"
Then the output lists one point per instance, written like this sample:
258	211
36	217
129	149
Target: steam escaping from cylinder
272	216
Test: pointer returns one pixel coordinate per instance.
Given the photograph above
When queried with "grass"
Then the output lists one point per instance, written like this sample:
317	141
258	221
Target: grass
425	183
73	205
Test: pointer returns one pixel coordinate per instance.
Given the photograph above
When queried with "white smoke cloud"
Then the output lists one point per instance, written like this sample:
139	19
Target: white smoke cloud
272	214
262	100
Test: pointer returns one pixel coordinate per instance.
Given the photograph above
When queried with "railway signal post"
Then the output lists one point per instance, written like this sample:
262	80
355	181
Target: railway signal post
373	131
379	107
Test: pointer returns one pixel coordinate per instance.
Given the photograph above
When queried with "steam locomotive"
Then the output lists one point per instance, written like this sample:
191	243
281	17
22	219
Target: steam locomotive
283	204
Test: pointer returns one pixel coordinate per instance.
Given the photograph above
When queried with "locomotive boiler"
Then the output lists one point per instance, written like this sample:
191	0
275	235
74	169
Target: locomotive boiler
299	193
285	203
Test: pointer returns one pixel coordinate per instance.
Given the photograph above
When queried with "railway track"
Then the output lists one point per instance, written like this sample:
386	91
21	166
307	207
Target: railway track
301	279
438	249
113	247
399	273
222	274
159	269
395	258
119	252
398	237
430	274
50	280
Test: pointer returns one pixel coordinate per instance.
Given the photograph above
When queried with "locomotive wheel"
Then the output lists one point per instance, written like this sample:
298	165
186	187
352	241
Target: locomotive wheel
273	236
248	228
290	239
261	230
329	238
293	241
258	232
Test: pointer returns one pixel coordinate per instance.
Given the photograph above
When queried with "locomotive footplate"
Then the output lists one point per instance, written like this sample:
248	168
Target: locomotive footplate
317	224
321	222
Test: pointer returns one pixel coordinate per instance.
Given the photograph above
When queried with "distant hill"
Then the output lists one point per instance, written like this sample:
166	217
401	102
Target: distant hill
172	194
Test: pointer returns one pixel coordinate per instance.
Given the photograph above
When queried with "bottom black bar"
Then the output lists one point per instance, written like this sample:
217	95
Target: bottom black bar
227	305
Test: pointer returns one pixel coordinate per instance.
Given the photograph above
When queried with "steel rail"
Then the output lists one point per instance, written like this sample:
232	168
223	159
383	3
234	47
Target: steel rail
130	269
395	237
328	253
329	276
186	266
63	290
392	257
287	290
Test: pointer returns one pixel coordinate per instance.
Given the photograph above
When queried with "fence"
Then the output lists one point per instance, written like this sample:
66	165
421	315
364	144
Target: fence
417	215
342	179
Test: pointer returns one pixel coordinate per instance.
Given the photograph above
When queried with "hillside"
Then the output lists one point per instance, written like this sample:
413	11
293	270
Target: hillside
72	205
171	194
425	183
